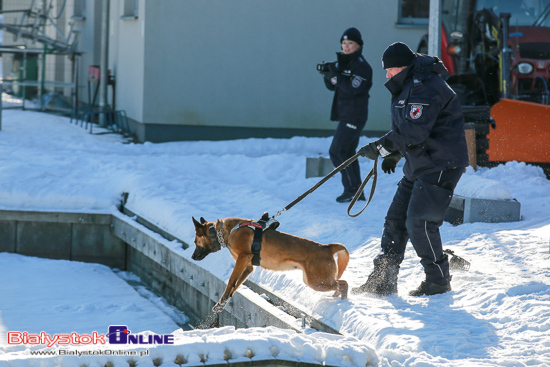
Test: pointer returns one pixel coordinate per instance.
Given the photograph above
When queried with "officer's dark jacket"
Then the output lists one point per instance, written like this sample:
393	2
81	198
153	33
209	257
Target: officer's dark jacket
427	120
351	92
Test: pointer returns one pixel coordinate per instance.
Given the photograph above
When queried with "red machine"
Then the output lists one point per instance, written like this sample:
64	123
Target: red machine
498	56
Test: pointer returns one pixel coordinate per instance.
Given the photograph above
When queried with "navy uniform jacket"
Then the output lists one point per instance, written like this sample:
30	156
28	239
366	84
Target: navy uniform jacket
351	91
427	120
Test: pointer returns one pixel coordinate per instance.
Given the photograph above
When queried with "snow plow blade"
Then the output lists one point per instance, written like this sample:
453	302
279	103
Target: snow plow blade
522	132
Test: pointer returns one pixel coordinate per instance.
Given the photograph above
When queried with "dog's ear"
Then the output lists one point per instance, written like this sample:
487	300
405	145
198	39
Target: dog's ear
203	220
196	223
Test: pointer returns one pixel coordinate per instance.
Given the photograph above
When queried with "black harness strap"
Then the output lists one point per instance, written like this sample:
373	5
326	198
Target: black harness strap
257	243
258	227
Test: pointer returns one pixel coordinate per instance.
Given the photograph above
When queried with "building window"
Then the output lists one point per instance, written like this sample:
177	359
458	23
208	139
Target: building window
79	10
130	10
414	12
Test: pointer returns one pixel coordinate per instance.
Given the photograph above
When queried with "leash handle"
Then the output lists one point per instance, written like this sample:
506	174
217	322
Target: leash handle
316	186
372	174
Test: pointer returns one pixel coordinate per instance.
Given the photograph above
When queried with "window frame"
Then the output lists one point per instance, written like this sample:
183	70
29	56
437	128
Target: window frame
130	9
79	10
409	21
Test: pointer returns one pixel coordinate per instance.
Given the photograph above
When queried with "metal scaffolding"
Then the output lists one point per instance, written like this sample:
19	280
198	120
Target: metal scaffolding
37	25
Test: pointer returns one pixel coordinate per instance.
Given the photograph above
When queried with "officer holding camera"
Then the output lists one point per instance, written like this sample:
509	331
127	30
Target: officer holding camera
350	77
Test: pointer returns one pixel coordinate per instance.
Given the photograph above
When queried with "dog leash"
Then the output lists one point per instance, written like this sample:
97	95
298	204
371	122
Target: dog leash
372	174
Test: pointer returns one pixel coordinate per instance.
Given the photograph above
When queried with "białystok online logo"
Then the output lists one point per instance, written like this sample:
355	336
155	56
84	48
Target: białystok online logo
117	334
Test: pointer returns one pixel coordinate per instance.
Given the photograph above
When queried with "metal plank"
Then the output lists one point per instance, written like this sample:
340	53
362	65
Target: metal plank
55	217
148	224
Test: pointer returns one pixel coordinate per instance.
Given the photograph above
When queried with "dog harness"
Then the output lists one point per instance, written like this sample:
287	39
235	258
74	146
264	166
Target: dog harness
258	227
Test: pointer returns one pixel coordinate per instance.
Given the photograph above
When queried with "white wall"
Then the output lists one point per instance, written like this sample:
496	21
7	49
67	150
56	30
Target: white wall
245	63
127	58
252	63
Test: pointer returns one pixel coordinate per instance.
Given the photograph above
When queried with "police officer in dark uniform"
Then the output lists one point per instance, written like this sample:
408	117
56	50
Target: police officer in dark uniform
428	131
351	79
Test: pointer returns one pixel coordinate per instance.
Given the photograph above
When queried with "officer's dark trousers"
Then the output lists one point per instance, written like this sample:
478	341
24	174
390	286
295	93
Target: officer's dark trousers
416	213
344	145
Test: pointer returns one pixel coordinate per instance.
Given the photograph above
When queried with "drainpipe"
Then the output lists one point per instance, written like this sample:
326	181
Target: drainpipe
434	29
1	91
506	56
104	63
43	80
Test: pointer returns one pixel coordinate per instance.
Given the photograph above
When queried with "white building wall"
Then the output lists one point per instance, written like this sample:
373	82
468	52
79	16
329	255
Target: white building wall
127	58
251	63
89	44
242	63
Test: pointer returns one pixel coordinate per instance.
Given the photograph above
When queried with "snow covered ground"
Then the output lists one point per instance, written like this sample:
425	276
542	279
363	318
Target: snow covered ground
498	313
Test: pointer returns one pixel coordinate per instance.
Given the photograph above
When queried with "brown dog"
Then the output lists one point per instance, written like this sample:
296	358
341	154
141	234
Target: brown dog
279	251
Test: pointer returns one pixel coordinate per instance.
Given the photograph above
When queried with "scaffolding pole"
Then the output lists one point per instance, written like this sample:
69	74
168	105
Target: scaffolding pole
104	65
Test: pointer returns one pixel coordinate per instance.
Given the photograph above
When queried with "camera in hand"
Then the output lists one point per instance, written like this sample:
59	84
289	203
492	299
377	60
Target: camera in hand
325	66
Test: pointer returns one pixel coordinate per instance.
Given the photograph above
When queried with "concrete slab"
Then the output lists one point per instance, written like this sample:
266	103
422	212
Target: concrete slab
318	167
470	210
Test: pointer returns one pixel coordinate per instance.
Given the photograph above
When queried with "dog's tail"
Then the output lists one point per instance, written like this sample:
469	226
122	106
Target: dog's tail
343	257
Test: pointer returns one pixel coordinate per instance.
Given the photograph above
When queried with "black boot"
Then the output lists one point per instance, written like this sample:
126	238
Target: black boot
383	279
428	289
347	196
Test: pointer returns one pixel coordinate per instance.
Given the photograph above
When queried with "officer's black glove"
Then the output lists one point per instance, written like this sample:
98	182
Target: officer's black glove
331	72
390	161
370	151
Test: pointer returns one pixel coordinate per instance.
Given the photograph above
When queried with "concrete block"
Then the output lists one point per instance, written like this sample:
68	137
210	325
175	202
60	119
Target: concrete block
318	167
44	239
95	243
62	235
470	210
7	236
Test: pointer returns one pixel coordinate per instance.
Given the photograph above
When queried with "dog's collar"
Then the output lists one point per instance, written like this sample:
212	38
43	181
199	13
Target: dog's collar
216	235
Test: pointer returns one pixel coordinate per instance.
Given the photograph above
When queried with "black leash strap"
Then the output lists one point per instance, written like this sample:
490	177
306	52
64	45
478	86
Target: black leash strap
372	174
325	179
341	167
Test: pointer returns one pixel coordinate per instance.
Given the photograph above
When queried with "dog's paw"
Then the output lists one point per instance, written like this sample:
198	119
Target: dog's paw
218	307
343	289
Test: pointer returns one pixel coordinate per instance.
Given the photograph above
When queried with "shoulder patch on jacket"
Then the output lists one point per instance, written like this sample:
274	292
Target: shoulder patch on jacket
416	111
356	82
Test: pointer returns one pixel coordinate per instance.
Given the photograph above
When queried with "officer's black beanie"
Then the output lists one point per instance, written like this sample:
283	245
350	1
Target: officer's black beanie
352	34
397	55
